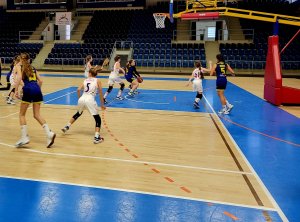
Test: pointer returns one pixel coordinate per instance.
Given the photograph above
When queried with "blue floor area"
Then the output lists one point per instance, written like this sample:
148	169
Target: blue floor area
49	202
277	163
146	99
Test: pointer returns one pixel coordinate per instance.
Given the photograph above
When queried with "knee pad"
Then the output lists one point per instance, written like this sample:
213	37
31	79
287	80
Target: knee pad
76	116
110	88
122	86
98	120
199	95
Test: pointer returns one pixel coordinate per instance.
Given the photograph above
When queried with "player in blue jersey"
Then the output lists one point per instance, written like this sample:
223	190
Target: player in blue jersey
31	94
8	84
220	69
131	76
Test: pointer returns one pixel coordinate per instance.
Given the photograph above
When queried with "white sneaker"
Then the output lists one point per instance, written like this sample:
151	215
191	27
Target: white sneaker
119	98
11	102
136	92
223	111
50	139
130	94
98	139
65	129
229	107
23	141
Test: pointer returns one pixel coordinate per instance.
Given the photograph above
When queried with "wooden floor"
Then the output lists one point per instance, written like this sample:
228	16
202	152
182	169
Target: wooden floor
171	153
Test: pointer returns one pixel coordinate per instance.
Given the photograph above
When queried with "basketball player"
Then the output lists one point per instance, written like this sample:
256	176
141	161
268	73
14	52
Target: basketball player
12	81
131	77
8	85
0	71
87	65
31	94
114	78
197	76
90	87
220	69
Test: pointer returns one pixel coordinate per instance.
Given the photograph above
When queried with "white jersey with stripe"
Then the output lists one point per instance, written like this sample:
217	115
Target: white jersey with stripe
115	72
197	73
90	86
86	69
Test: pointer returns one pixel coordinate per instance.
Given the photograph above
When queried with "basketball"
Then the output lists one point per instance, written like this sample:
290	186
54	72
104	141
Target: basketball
140	79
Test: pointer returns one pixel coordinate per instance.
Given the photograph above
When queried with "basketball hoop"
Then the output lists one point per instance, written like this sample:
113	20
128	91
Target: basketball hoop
160	19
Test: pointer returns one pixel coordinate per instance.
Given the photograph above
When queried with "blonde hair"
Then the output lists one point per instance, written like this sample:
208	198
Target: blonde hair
93	72
27	70
88	58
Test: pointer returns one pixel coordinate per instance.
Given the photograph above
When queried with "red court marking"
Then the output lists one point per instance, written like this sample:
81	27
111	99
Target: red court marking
155	170
135	156
169	179
230	215
185	189
255	131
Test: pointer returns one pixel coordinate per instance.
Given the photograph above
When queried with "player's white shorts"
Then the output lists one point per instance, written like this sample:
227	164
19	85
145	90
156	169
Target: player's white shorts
197	85
113	80
88	102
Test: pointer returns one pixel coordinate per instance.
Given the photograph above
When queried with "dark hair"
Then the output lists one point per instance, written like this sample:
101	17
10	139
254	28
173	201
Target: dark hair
27	69
128	64
220	58
87	58
117	58
93	71
198	64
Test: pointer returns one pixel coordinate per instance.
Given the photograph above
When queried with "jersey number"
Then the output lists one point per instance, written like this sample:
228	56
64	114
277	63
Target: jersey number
88	87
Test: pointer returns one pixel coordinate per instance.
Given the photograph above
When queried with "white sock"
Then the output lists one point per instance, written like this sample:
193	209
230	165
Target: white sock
46	128
68	125
105	95
197	100
23	131
119	93
97	134
227	103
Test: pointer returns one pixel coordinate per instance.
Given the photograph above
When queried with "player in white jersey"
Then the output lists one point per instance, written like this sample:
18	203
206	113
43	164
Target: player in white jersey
87	100
12	81
197	77
114	78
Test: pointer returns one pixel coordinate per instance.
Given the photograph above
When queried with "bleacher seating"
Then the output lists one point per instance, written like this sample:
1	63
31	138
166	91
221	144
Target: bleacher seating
12	23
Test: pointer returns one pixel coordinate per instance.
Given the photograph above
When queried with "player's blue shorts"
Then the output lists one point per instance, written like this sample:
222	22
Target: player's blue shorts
221	84
32	94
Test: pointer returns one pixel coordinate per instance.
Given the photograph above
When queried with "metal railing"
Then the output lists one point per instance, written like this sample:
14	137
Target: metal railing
226	34
198	34
25	35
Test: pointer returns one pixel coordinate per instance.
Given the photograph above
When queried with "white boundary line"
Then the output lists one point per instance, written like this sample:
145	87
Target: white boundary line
272	200
3	117
139	101
141	192
129	161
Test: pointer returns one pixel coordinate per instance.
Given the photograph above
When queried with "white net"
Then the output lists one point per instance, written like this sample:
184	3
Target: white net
160	20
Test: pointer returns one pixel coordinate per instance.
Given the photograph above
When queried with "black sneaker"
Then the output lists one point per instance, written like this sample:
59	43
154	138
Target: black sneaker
196	105
105	101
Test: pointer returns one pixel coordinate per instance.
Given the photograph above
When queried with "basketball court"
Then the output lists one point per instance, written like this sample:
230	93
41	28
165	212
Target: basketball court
161	160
